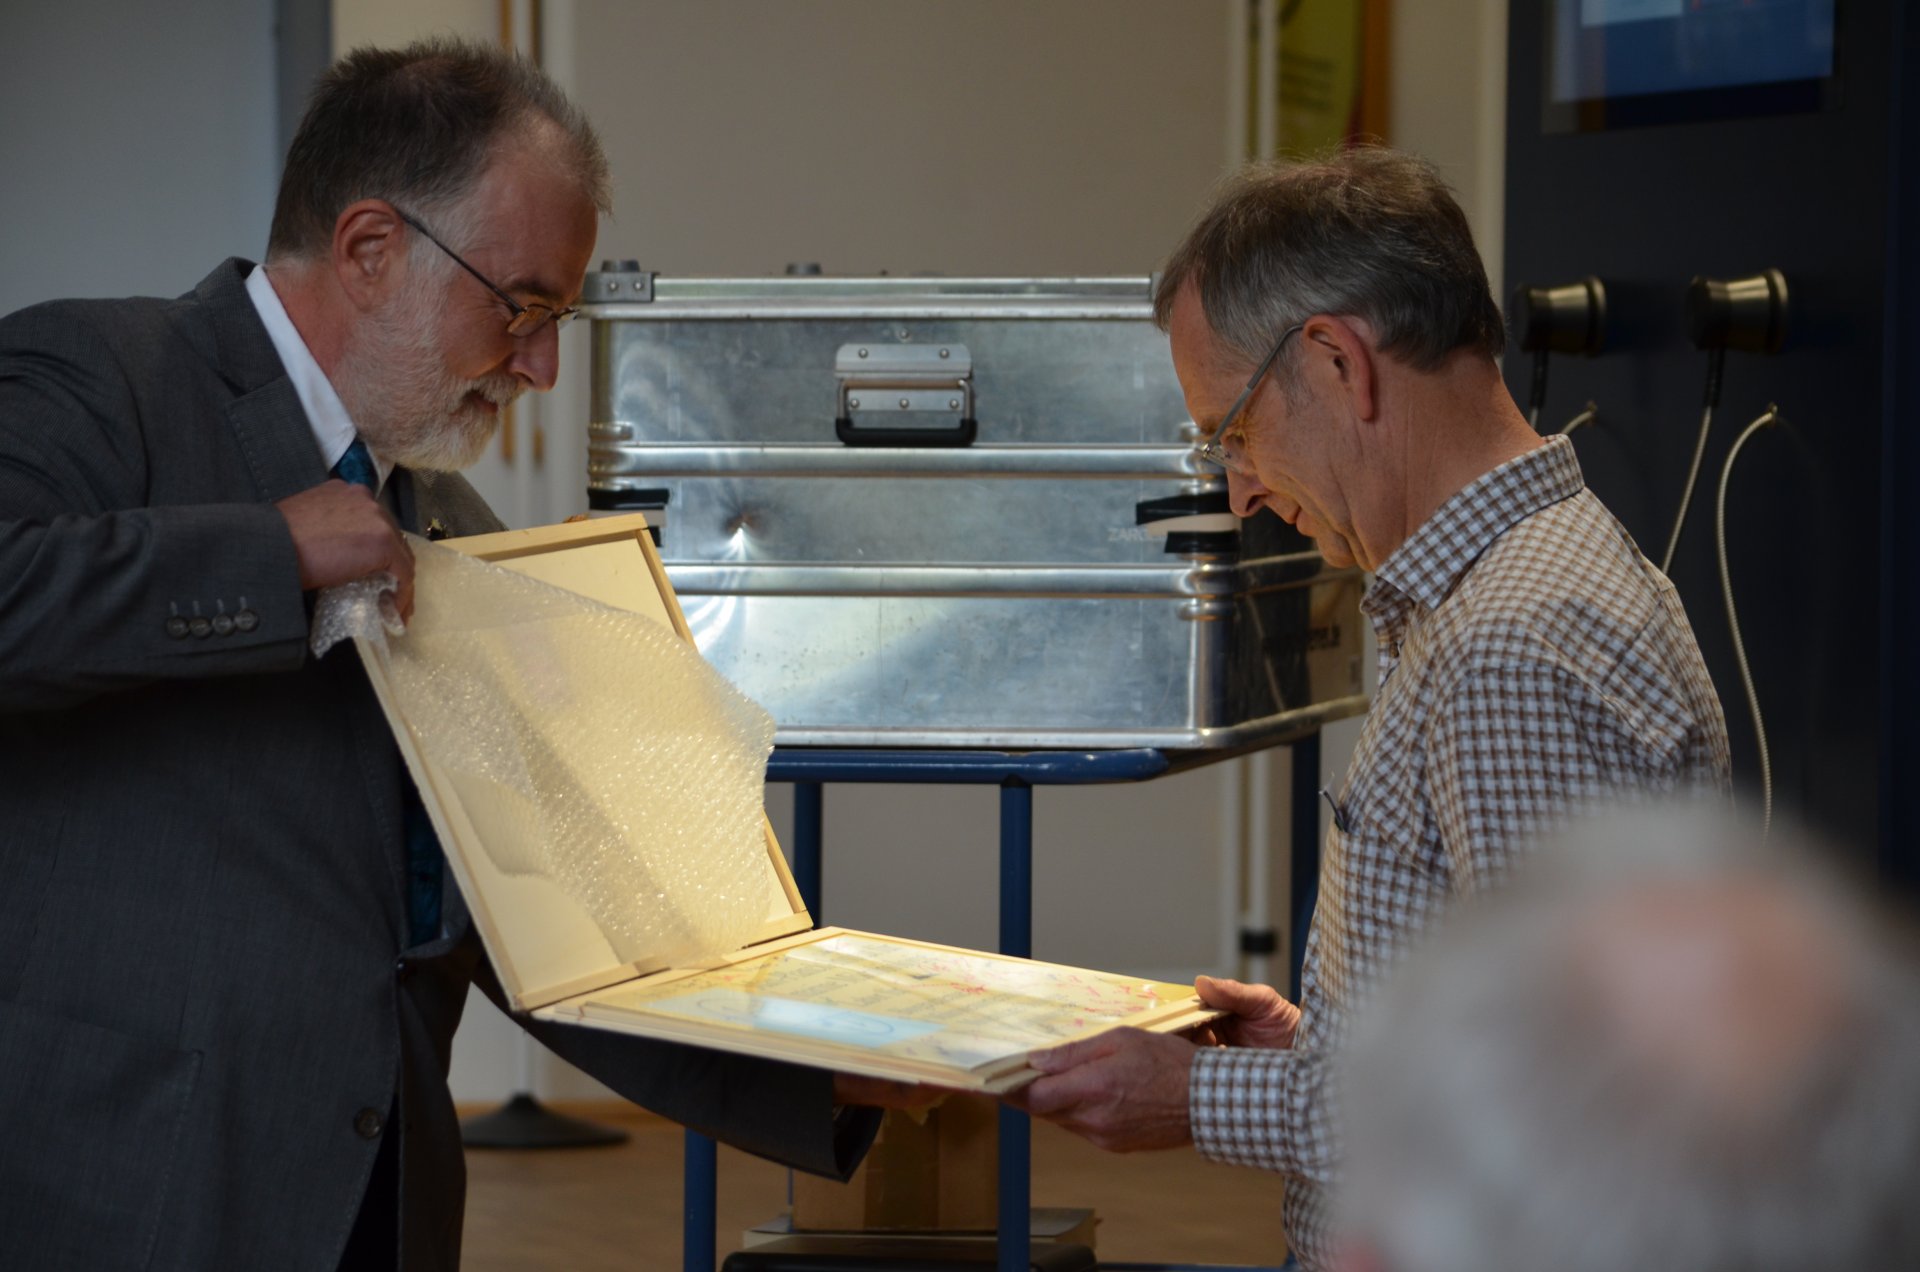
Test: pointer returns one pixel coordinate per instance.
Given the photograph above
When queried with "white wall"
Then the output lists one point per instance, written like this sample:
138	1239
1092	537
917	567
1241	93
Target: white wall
385	23
1449	103
138	145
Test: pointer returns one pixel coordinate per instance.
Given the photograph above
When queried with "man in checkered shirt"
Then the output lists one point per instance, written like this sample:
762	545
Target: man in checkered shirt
1334	333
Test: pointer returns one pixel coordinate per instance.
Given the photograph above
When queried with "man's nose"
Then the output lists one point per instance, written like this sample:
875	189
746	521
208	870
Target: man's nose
536	358
1245	494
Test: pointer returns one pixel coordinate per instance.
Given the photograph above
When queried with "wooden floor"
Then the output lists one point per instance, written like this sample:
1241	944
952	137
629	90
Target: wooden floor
595	1209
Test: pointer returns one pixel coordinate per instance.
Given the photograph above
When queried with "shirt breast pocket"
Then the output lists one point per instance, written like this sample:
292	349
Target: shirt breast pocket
1385	843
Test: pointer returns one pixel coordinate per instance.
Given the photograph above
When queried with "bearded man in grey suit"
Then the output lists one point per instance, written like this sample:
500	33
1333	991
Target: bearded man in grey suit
229	971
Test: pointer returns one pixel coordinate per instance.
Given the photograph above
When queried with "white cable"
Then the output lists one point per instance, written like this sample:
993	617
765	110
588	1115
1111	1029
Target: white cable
1686	496
1769	416
1585	417
1716	365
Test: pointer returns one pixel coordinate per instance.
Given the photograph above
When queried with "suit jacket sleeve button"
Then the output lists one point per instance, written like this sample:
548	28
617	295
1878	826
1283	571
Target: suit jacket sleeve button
366	1123
246	620
200	627
177	627
223	624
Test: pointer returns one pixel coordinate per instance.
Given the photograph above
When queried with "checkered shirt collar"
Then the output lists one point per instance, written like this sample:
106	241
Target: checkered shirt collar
1426	568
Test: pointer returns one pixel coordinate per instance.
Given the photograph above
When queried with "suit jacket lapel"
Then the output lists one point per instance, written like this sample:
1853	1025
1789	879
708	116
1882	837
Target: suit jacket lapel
274	434
265	414
406	499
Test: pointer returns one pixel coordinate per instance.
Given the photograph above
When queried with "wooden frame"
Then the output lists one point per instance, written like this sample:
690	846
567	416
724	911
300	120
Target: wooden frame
552	957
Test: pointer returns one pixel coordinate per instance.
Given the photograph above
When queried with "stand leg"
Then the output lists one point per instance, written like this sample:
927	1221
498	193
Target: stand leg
1014	1244
1303	853
809	819
697	1242
1016	870
808	804
524	1122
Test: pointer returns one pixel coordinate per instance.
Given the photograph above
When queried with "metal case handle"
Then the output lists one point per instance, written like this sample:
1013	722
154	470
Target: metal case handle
889	380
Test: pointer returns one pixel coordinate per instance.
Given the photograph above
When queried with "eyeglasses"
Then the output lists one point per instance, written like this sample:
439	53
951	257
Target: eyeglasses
526	319
1222	448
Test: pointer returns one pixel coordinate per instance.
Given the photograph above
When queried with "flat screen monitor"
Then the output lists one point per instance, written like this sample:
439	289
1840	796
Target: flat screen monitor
1628	63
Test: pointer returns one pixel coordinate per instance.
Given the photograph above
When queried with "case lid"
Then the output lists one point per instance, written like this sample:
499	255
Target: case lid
544	945
644	296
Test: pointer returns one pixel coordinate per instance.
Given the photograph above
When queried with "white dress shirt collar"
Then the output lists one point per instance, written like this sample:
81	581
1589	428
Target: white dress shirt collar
333	428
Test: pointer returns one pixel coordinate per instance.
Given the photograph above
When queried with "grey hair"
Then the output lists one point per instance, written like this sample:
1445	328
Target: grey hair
417	127
1368	232
1499	1122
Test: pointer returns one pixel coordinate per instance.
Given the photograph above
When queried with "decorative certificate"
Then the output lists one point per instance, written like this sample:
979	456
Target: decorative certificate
913	1002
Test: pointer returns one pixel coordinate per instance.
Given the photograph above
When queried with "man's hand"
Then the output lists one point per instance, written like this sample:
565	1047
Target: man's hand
1123	1091
1261	1018
340	533
883	1093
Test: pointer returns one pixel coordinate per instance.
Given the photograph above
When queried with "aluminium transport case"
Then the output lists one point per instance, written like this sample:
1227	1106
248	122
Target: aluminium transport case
955	512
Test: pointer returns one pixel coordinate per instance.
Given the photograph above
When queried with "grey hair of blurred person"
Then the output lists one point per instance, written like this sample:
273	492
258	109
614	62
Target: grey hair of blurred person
1367	232
417	127
1510	1114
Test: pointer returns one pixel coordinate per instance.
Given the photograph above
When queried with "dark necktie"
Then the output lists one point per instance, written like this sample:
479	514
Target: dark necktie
424	860
357	467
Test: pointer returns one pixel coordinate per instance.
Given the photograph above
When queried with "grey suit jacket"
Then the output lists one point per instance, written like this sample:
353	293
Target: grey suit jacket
205	996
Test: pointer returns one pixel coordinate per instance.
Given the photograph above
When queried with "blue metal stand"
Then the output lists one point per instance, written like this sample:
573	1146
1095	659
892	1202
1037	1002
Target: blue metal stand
702	1203
1016	773
702	1183
1013	1243
808	811
1303	864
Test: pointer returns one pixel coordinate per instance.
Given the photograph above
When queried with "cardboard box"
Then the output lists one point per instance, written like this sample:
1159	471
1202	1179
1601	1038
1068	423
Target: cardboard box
937	1172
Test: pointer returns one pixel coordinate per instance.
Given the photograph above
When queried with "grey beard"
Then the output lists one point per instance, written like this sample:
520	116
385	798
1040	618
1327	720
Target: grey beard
408	408
451	441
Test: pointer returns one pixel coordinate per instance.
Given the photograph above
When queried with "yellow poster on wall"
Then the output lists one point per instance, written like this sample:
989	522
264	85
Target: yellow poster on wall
1330	83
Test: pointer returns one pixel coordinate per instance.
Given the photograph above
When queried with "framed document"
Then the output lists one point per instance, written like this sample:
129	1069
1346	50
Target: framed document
854	1002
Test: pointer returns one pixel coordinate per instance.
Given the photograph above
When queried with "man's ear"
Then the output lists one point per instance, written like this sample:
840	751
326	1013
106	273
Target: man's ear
1346	346
369	251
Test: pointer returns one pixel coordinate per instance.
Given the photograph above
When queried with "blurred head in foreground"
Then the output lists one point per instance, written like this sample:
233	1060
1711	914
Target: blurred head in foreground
1671	1045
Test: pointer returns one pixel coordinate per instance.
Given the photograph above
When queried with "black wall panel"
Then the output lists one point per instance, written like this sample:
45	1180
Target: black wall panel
1900	481
1815	195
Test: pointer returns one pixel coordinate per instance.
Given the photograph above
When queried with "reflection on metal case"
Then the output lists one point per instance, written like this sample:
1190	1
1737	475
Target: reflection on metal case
965	569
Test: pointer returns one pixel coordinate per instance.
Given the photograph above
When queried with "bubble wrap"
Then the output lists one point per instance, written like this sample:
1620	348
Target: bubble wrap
615	761
361	608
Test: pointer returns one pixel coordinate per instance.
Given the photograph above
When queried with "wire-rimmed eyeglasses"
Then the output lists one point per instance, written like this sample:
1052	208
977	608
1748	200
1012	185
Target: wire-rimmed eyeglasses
526	319
1225	446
